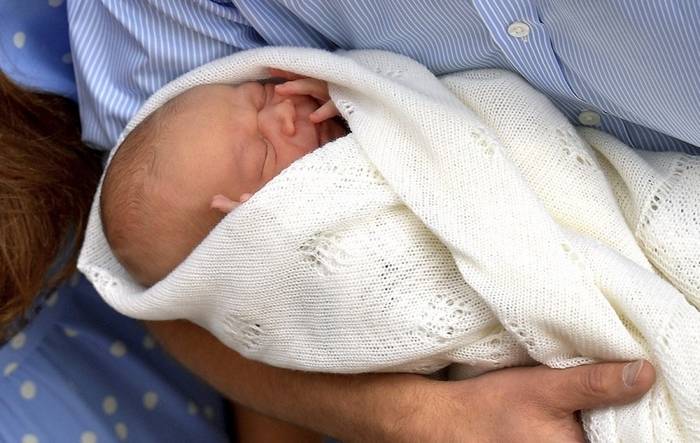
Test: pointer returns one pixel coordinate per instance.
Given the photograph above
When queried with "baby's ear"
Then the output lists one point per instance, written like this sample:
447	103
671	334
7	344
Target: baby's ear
225	204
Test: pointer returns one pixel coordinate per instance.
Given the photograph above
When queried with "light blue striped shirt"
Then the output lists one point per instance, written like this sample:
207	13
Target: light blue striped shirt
631	68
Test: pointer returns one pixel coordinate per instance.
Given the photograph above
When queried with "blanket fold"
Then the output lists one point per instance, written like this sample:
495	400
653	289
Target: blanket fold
464	220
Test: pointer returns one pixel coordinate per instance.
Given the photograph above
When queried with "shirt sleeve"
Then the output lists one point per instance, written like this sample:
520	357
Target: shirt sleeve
124	51
626	67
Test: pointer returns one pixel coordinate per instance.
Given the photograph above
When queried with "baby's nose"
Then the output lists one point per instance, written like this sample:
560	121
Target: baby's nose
286	113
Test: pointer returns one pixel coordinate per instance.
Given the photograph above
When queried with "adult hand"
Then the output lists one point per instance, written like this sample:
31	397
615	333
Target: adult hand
536	404
518	404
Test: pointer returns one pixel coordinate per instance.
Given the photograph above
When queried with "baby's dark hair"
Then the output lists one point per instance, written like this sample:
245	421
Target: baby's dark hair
147	229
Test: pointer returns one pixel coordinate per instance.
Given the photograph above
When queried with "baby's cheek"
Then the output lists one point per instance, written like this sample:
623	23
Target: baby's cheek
308	138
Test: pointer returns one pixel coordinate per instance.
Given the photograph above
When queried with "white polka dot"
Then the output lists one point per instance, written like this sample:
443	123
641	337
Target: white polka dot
148	342
10	368
30	438
121	430
209	412
52	299
19	39
55	3
88	437
67	58
118	349
150	400
18	340
109	405
28	390
70	332
192	408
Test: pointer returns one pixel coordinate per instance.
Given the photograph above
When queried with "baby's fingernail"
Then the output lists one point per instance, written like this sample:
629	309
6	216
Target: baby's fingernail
217	201
630	373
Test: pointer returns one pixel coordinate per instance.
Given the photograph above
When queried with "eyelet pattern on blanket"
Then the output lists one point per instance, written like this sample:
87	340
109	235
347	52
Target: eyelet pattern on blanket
463	221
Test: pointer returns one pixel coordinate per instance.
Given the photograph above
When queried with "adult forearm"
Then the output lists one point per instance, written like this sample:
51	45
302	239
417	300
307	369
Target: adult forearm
347	407
533	404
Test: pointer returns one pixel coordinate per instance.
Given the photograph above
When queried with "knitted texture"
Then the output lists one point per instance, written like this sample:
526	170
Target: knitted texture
464	220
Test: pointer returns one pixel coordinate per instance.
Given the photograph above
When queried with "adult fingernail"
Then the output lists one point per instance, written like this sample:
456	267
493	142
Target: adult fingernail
630	373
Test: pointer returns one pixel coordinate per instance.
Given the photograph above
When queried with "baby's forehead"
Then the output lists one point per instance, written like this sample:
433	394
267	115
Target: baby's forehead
202	98
210	99
213	90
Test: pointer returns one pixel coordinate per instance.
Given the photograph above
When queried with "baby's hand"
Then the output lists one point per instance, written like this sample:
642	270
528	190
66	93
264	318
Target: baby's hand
225	204
299	85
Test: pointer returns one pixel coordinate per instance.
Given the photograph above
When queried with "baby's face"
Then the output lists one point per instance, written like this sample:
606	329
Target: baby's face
231	140
212	143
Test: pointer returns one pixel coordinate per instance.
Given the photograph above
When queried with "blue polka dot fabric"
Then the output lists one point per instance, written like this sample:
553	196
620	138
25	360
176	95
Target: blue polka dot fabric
81	373
34	45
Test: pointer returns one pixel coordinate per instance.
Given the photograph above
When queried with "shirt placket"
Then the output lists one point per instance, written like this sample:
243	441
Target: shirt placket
516	28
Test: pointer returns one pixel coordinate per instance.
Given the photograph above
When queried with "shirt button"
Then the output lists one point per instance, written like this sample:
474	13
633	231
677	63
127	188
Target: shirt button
519	29
589	118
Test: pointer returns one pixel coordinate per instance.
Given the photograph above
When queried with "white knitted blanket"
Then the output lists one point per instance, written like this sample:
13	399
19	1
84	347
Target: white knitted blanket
465	221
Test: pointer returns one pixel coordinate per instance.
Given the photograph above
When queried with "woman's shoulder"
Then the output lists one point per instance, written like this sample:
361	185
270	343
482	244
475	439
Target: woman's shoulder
112	88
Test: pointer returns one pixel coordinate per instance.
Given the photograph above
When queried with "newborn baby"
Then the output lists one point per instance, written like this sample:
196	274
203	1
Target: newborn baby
464	221
200	155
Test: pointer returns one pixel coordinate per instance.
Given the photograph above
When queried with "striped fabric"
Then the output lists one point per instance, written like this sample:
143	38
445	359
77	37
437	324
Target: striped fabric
631	67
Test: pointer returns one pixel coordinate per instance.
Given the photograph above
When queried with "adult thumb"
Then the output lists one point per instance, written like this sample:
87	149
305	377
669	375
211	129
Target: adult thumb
599	385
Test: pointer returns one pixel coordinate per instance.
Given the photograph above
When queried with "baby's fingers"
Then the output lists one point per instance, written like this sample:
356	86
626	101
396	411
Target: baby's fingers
280	73
325	112
223	203
305	86
226	205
